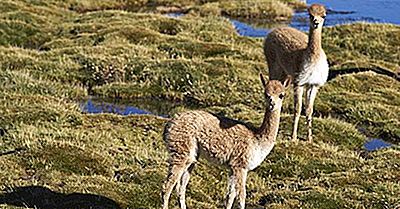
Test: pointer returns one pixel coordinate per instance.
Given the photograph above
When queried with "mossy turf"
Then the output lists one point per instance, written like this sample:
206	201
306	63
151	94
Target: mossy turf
54	53
363	45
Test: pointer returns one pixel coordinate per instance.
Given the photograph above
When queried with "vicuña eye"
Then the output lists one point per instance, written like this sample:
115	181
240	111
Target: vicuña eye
323	16
281	96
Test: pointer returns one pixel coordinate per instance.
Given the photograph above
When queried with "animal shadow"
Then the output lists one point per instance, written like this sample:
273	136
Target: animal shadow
44	198
227	123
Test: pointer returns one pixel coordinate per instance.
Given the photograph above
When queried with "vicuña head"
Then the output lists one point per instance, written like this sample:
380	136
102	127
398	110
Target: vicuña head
317	13
274	93
223	141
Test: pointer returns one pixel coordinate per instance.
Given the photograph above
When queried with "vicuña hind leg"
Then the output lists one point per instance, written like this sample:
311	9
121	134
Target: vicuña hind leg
175	174
310	97
181	186
298	94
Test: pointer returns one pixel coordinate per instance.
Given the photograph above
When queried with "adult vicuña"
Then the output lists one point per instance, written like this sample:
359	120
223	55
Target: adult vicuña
290	52
223	141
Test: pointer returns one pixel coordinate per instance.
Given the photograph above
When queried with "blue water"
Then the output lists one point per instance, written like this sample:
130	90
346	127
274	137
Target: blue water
383	11
96	107
174	14
245	29
376	144
339	12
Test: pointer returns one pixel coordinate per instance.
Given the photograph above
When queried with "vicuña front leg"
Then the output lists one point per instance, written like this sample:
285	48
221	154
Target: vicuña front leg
298	94
237	188
241	186
310	97
231	193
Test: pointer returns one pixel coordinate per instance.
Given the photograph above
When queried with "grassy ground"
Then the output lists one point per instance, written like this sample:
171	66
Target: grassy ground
54	53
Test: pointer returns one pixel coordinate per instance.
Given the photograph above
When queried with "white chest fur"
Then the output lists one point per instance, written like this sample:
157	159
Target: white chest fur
257	156
314	73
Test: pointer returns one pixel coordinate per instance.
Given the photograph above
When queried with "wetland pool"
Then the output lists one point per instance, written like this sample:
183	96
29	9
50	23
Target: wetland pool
94	105
374	144
339	12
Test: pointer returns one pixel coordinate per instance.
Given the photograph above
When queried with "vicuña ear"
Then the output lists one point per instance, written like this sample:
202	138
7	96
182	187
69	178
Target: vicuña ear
264	83
287	81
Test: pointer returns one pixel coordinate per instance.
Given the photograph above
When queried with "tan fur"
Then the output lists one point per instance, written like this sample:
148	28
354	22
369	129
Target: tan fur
224	141
289	51
317	10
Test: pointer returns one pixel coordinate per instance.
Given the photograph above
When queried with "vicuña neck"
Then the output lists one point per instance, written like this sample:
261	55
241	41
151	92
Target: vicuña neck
270	125
314	46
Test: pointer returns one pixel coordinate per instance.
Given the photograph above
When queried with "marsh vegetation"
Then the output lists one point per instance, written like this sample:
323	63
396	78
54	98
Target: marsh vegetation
56	53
